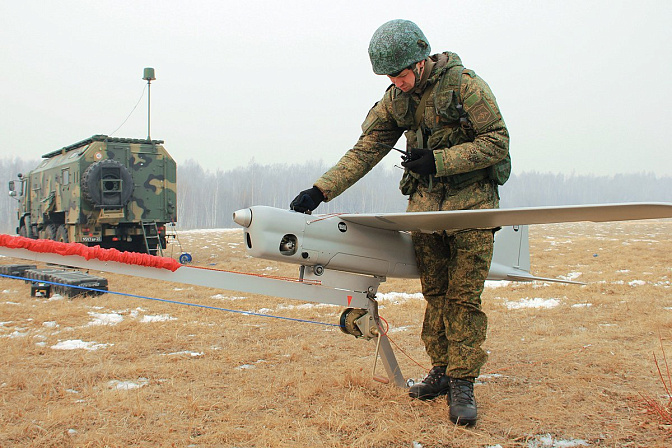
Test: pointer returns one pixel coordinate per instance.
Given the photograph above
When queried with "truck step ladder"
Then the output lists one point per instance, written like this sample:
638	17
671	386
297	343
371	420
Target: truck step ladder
152	241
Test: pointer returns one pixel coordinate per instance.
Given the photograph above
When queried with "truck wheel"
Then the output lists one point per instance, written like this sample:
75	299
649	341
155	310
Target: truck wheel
62	234
107	184
50	232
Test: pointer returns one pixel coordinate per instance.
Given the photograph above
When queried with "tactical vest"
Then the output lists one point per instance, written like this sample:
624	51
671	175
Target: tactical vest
439	120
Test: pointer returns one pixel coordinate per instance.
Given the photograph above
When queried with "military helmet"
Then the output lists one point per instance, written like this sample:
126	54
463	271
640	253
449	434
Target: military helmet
396	45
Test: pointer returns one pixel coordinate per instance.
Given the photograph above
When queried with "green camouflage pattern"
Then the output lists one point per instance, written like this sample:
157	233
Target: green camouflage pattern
56	198
453	268
395	45
453	265
454	152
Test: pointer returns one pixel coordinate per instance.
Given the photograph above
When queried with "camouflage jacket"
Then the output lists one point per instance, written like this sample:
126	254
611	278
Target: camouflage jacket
454	151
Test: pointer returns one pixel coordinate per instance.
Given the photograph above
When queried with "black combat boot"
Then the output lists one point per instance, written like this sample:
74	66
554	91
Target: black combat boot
462	402
435	383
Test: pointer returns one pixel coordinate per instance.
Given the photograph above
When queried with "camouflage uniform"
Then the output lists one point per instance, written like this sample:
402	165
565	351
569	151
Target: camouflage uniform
453	265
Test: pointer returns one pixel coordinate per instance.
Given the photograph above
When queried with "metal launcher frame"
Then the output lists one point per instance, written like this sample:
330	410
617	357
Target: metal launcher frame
315	284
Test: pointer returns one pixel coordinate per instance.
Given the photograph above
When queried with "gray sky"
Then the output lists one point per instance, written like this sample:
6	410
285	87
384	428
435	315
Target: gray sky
584	86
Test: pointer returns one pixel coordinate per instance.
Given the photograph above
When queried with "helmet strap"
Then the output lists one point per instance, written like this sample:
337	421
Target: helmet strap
422	73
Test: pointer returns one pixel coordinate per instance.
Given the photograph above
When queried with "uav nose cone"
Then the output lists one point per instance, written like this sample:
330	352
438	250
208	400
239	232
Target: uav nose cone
243	217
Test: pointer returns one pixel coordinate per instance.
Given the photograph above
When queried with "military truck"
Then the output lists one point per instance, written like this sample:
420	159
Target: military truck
111	192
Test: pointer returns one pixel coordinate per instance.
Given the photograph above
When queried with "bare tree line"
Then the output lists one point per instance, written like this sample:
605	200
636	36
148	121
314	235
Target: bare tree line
207	199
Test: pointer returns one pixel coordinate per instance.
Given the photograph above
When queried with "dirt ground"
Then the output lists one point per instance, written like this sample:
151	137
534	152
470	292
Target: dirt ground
569	365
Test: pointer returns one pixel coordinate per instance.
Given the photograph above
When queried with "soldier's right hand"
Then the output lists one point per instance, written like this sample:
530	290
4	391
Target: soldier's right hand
307	200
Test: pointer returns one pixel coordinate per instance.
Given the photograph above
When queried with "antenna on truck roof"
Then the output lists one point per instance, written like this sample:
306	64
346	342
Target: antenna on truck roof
149	76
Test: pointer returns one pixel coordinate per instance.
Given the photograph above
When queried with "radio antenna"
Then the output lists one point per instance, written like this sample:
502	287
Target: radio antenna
148	75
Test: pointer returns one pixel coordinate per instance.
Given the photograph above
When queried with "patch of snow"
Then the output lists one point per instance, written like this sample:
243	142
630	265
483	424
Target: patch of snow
485	376
571	276
157	318
637	283
250	366
105	319
536	302
127	385
582	305
497	283
547	441
56	297
399	296
14	334
78	344
50	324
185	352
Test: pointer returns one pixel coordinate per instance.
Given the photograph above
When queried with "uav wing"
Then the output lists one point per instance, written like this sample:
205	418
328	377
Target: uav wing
470	219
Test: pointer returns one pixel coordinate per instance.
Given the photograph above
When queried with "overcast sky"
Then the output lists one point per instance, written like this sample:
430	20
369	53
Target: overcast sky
584	86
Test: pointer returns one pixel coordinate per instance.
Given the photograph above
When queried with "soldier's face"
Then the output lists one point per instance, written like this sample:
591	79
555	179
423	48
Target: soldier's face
407	78
404	81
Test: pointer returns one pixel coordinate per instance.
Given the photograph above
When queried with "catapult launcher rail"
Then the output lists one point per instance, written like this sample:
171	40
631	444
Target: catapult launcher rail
353	291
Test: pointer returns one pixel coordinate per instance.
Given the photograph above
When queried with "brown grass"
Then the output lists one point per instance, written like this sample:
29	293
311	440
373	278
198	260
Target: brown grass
581	371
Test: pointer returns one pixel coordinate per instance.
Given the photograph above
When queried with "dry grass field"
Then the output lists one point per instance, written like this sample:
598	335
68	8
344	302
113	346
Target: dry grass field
570	366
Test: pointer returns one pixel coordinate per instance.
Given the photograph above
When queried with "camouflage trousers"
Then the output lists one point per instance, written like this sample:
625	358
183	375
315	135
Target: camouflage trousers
453	270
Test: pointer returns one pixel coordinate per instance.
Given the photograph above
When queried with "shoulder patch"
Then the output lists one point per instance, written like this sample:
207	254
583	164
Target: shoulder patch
371	120
481	114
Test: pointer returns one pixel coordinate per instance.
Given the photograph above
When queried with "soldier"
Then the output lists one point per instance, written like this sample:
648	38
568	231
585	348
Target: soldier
457	155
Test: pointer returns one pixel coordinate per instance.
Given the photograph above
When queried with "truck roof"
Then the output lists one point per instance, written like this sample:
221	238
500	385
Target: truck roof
99	138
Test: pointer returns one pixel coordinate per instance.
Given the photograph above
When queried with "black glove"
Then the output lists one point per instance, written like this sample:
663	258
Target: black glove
421	161
307	200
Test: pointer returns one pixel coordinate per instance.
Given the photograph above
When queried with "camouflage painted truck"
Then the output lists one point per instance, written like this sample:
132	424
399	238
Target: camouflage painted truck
112	192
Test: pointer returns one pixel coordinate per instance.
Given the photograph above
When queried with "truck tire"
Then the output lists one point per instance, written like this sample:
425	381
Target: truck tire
94	178
50	232
62	234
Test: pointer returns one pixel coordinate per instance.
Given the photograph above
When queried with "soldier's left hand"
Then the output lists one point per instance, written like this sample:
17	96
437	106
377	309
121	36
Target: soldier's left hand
421	162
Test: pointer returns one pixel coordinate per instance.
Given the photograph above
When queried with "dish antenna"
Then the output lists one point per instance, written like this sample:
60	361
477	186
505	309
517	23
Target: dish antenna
149	76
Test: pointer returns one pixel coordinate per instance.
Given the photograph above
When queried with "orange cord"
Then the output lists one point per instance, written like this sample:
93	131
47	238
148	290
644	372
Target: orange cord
387	329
